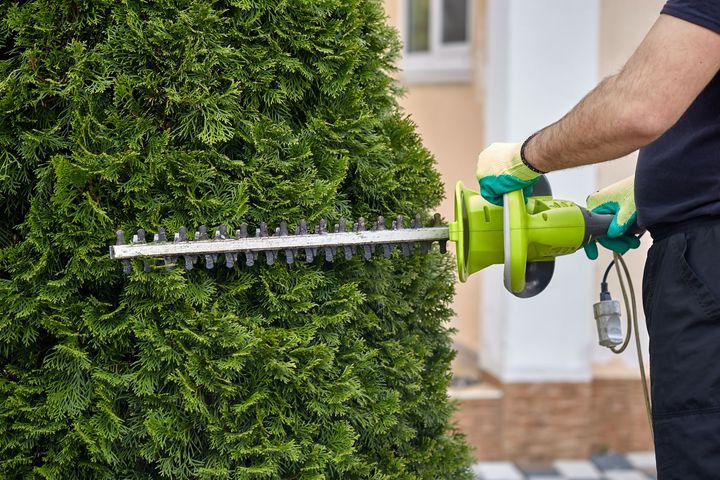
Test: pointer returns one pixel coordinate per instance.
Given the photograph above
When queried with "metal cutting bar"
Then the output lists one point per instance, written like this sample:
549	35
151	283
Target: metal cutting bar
264	244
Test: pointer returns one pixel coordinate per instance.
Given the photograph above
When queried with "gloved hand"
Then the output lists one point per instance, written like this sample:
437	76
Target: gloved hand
617	199
500	169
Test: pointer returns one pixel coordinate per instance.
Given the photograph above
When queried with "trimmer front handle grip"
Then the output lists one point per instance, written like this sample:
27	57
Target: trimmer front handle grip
597	224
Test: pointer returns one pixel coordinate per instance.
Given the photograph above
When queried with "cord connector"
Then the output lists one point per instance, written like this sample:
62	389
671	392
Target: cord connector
607	318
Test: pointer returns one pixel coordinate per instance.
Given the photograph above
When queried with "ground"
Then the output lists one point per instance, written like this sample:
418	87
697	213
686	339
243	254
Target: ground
632	466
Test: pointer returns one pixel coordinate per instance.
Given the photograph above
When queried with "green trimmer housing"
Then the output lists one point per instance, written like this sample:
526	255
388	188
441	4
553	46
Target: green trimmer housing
524	236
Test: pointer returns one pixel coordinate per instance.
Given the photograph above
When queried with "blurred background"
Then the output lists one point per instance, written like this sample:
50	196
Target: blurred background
530	378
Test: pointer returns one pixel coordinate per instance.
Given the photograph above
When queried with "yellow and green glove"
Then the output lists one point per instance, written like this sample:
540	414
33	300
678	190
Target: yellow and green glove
500	169
617	199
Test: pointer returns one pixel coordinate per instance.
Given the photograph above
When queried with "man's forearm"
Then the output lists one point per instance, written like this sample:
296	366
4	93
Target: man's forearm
601	127
672	65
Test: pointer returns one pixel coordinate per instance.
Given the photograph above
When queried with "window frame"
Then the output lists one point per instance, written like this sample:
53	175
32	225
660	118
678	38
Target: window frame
444	62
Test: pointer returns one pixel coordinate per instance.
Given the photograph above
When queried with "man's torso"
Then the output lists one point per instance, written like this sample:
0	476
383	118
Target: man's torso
678	176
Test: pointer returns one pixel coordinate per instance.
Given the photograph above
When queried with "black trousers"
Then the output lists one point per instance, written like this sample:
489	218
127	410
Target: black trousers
681	298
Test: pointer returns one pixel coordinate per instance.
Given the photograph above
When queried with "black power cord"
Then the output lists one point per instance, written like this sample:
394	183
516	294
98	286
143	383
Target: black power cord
631	308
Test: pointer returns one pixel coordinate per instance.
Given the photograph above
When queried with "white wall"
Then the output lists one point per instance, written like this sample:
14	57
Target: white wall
623	26
542	58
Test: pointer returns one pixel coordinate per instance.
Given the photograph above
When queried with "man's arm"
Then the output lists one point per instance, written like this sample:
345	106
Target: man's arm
670	68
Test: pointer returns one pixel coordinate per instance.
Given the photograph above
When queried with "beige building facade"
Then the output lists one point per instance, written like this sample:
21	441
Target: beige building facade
531	380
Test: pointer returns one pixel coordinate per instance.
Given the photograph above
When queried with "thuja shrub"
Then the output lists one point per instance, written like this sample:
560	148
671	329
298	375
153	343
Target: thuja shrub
145	114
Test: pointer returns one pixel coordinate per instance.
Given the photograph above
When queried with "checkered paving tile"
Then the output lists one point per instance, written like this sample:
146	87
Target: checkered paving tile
631	466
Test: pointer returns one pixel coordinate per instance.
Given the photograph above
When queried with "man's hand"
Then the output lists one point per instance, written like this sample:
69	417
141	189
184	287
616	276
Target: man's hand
617	199
500	169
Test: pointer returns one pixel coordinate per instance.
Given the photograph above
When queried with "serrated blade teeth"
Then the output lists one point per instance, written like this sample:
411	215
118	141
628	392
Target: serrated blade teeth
322	230
348	250
387	247
346	238
161	237
221	234
230	259
437	221
263	232
289	253
360	226
120	240
181	237
406	248
241	233
424	246
309	252
139	237
201	234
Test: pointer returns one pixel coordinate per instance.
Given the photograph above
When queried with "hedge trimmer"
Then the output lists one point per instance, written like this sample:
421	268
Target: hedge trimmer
525	236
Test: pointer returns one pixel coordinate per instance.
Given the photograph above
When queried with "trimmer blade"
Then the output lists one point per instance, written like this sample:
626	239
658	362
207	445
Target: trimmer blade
346	238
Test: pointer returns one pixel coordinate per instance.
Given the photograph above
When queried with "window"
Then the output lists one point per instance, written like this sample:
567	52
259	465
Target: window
437	40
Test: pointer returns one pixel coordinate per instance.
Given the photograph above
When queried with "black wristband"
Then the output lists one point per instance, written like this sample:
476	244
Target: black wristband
524	160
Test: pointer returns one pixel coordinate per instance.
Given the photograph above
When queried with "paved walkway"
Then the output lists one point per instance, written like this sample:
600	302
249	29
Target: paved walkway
632	466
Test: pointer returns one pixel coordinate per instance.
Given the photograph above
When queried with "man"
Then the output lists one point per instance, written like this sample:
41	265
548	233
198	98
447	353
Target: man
665	101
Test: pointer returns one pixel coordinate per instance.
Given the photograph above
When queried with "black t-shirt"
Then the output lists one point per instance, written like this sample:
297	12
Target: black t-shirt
678	175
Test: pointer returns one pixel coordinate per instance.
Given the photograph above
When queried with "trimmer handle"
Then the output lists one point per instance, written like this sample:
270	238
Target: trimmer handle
597	224
563	228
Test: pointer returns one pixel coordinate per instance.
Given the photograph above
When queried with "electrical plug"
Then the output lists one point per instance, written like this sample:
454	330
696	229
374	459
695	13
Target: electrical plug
607	318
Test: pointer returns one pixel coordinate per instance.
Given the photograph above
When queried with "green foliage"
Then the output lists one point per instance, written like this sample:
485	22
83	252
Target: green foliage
138	114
